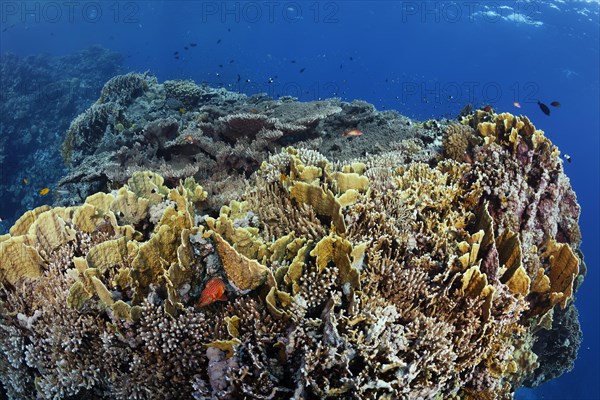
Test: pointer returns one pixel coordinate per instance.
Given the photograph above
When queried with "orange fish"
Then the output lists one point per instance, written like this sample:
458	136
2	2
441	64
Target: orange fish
189	139
44	191
487	108
213	291
353	133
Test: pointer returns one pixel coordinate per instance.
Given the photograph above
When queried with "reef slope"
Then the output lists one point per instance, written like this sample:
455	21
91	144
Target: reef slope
442	266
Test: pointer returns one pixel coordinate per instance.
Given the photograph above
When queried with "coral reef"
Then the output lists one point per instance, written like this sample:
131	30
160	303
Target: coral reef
179	129
381	277
40	96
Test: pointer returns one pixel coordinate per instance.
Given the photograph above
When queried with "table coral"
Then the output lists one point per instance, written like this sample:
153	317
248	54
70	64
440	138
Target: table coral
375	278
180	129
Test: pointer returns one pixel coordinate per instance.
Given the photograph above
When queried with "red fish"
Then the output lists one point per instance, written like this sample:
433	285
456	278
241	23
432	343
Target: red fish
487	108
353	133
213	291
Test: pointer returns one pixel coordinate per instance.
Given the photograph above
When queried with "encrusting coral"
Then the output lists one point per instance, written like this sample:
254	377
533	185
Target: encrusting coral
375	279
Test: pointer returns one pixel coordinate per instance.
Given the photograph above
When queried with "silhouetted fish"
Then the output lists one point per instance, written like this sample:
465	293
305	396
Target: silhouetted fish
555	104
186	48
193	44
302	70
176	53
340	66
238	77
220	65
218	41
351	59
231	61
544	108
293	61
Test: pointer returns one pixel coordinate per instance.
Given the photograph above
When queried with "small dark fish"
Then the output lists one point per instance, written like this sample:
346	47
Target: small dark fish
186	48
238	77
555	104
302	70
193	44
270	80
231	61
177	57
544	108
247	80
218	41
351	59
567	157
228	29
341	66
176	53
293	61
220	65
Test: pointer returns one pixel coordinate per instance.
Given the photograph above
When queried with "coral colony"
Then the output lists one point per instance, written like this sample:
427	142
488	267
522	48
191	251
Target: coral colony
231	247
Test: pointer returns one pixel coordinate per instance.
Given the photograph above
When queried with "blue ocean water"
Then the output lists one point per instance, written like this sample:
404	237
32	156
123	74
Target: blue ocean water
426	59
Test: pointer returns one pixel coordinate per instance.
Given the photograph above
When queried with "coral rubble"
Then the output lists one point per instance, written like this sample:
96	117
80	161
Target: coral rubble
380	277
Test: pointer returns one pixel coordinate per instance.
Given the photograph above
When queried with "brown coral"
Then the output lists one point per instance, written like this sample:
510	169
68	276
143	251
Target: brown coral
457	139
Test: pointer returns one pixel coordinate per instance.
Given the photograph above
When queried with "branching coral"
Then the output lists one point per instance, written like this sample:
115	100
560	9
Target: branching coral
376	279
